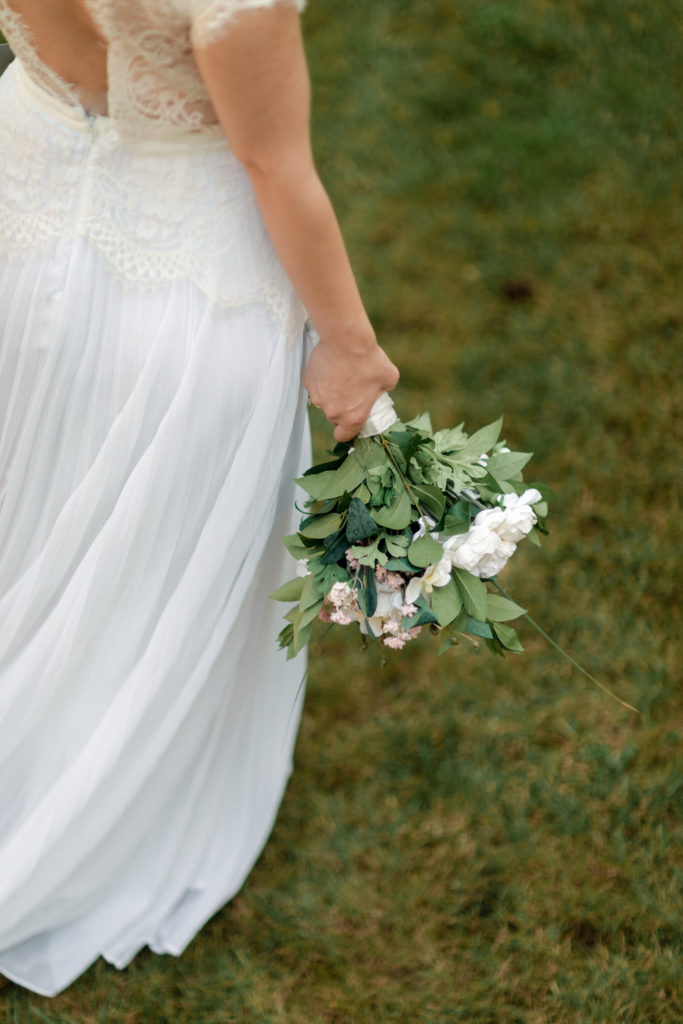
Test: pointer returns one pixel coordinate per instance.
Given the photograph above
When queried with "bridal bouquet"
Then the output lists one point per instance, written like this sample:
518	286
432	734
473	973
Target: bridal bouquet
407	527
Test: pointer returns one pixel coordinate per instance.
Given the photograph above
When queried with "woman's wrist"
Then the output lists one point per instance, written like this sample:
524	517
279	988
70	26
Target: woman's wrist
352	340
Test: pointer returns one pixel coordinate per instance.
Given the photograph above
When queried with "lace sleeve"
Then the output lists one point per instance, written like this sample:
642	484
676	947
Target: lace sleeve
209	17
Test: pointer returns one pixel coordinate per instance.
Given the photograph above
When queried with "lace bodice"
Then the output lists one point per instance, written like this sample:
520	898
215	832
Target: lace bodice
153	82
153	187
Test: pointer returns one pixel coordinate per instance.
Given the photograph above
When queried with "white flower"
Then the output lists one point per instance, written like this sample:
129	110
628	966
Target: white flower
519	516
529	497
481	550
436	575
426	523
389	603
490	518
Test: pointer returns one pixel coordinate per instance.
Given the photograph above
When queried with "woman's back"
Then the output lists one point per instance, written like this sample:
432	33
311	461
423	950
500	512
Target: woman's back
66	40
131	59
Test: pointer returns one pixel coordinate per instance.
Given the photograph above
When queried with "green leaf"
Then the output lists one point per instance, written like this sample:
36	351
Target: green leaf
482	440
546	492
396	545
478	628
310	593
336	550
423	615
359	524
302	635
425	551
473	593
323	467
310	614
534	538
320	527
295	546
369	554
315	485
450	440
430	499
446	644
457	518
330	575
286	635
505	465
350	474
446	602
421	422
508	638
502	609
290	591
367	593
398	515
371	453
400	564
363	493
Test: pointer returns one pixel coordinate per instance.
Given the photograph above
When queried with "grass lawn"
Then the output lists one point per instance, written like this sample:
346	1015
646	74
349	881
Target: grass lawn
465	840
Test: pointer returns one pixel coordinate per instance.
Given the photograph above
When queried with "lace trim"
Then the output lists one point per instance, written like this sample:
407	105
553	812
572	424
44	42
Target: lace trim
153	81
209	20
156	213
18	36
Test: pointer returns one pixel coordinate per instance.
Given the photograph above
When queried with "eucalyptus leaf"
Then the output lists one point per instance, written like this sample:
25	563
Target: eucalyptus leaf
425	551
310	593
317	484
310	613
398	515
295	546
320	527
290	591
350	474
363	493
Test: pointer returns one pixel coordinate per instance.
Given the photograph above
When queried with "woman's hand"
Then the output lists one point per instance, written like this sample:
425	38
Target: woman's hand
345	381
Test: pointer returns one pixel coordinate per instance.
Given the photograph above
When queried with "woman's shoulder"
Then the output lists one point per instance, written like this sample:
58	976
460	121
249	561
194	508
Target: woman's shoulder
209	18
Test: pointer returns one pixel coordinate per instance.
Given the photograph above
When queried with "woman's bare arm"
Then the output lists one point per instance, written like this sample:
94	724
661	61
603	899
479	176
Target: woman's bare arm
257	77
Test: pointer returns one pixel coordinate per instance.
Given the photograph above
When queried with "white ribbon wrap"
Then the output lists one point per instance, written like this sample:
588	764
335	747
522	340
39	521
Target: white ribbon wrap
382	416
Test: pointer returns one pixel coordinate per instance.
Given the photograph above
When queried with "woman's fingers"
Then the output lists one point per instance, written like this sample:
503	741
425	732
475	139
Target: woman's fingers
345	386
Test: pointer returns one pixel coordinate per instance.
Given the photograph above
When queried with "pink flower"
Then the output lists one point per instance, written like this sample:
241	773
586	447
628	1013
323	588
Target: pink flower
396	642
351	561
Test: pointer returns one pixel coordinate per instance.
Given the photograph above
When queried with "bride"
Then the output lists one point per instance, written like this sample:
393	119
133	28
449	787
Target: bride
163	236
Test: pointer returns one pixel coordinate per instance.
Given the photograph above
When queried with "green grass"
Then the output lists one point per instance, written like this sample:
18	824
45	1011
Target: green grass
467	840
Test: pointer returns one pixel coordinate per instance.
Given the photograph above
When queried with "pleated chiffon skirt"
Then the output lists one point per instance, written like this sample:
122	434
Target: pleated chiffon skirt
149	438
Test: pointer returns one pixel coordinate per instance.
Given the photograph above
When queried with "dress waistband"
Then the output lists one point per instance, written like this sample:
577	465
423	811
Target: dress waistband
77	118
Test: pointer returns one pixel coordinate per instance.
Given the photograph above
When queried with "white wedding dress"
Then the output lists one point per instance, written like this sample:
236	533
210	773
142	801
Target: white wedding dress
151	423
